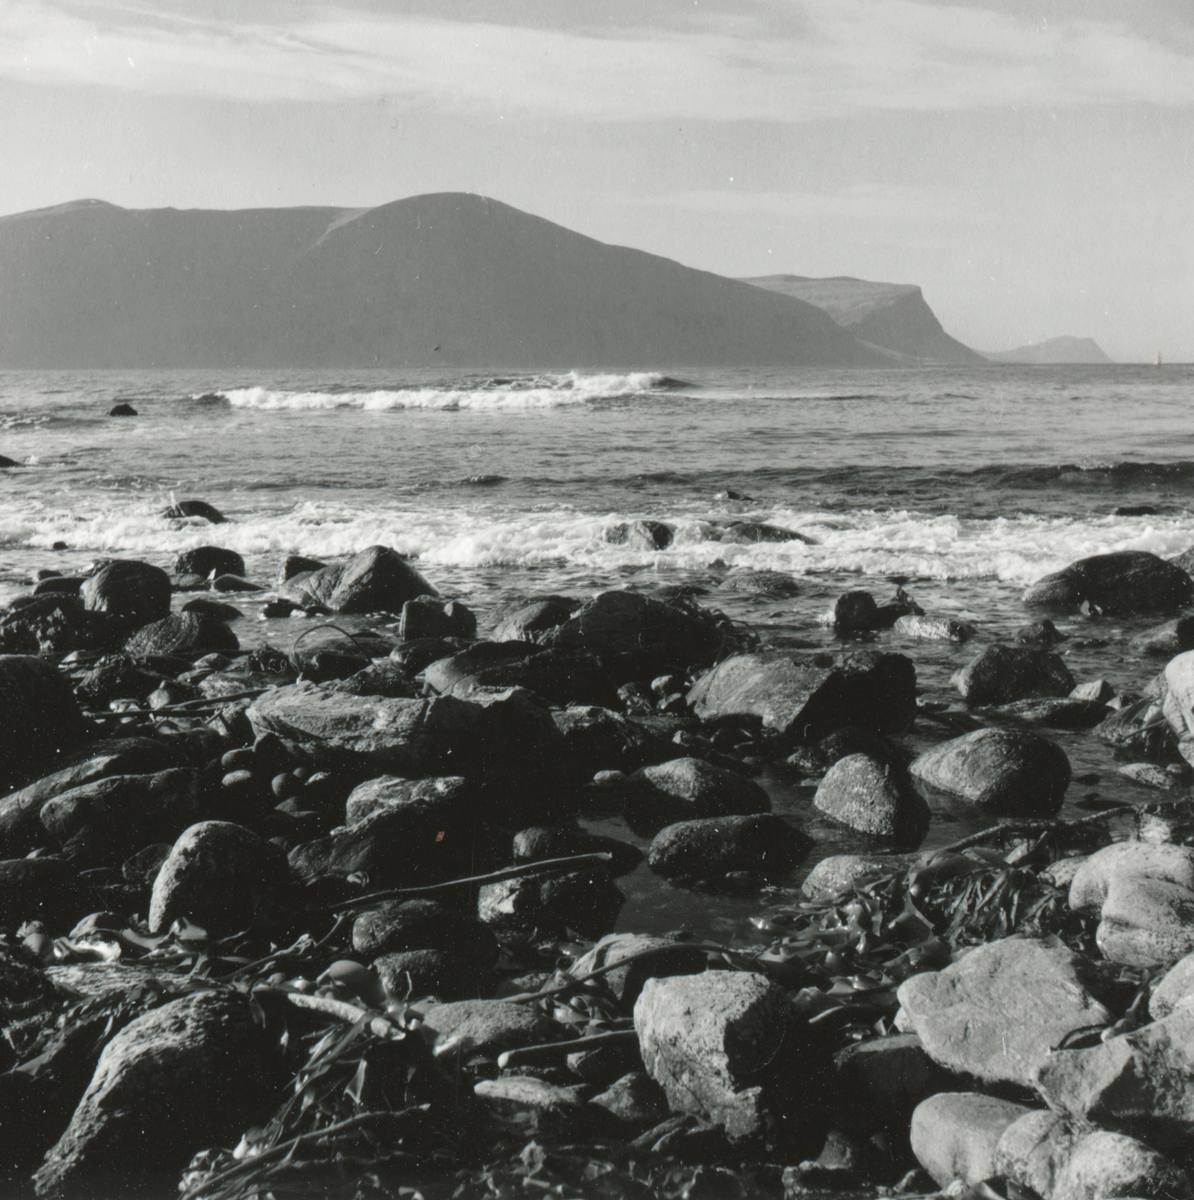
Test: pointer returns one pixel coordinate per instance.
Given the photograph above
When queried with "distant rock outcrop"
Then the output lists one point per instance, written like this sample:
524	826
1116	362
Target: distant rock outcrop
1055	350
446	280
890	316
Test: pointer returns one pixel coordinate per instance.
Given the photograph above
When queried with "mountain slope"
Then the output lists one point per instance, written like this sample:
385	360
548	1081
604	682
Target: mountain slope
893	316
1055	350
447	279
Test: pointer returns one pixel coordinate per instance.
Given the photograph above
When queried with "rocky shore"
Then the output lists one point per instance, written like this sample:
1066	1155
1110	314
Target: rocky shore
331	920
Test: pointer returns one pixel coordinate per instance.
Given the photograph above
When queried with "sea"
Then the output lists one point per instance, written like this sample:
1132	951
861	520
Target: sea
960	484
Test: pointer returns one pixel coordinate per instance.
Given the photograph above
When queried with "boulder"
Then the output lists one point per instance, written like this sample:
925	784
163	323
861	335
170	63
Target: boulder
837	874
1013	772
487	1027
636	637
525	620
1165	640
881	1081
442	797
375	580
297	564
1175	989
1137	1083
643	957
995	1014
806	697
195	508
772	585
132	593
214	875
185	634
1091	883
873	797
1111	1164
1034	1149
203	560
428	616
56	624
1121	584
954	1135
117	677
585	901
856	612
39	719
715	846
561	678
122	410
750	533
562	841
103	822
929	628
471	662
1146	922
686	789
599	739
422	925
1066	713
640	535
189	1074
412	974
716	1043
1001	674
212	608
1179	693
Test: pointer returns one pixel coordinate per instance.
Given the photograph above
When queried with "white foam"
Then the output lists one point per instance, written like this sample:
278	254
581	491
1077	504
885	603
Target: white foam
546	391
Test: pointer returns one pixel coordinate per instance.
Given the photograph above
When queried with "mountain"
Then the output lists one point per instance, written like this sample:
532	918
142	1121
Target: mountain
890	316
1055	350
449	279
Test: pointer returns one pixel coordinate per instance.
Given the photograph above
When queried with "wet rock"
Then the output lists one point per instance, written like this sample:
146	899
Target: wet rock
561	841
850	739
1137	1083
203	560
1151	776
688	789
1096	691
470	663
875	798
599	739
105	821
774	585
806	697
189	1074
1123	583
561	678
67	585
8	462
929	628
837	874
55	624
1139	731
882	1080
375	580
297	564
1166	640
195	508
423	925
132	593
525	620
640	535
39	718
855	612
383	677
636	637
122	410
42	889
234	583
212	608
749	533
1013	772
117	677
954	1135
468	1027
531	1108
715	846
1066	713
183	633
644	958
428	616
996	1013
635	1099
213	876
585	901
707	1040
1001	674
141	869
1039	633
445	974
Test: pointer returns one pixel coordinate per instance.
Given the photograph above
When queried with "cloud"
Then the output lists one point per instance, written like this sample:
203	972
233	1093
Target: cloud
773	60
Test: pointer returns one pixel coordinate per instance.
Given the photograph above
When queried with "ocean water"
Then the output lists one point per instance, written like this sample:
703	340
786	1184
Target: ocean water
962	484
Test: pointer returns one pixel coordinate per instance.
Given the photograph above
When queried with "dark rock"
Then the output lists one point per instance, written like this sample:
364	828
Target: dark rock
428	616
203	560
561	677
39	719
526	620
688	789
42	889
66	585
412	974
850	739
423	925
55	624
195	508
585	901
873	797
122	410
752	532
882	1080
443	674
142	868
1166	640
774	585
296	564
1001	674
640	535
1135	510
1040	633
183	633
1139	732
642	958
1123	583
635	1099
233	583
562	841
1013	772
105	821
116	677
599	739
715	846
213	875
202	606
855	612
8	462
1066	713
186	1075
807	697
375	580
133	593
954	1135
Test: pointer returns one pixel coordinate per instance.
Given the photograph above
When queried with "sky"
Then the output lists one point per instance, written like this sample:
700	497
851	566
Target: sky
1026	162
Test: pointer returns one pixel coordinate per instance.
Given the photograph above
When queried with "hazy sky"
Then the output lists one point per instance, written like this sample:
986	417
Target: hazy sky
1027	162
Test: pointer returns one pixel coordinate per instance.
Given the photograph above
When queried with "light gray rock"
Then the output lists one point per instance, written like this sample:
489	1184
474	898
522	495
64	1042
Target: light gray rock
1010	771
1149	775
838	873
687	789
996	1013
468	1027
1174	864
444	794
954	1135
1034	1149
930	628
1112	1164
1001	674
705	1038
586	901
873	797
187	1075
533	1108
1175	989
717	845
1146	922
1179	692
645	958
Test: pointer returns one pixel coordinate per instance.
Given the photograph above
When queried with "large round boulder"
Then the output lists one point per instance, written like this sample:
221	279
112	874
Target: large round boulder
133	593
203	560
718	845
1002	674
1123	583
873	797
184	634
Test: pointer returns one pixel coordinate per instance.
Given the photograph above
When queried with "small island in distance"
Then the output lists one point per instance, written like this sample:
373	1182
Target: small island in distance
1054	350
